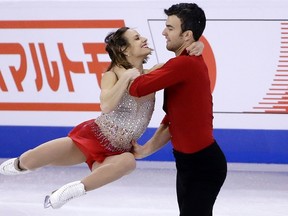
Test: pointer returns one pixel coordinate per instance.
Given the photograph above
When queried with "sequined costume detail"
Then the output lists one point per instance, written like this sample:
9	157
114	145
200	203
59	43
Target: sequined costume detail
127	122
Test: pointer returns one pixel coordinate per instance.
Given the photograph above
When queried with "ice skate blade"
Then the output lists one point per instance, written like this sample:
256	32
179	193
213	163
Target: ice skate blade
47	202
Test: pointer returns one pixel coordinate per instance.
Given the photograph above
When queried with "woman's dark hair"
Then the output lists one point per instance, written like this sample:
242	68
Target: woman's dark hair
192	17
116	44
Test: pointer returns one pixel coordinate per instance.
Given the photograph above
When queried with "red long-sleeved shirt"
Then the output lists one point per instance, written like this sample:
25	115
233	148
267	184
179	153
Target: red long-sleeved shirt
187	100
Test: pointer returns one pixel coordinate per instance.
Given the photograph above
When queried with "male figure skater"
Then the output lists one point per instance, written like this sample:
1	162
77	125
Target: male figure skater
188	123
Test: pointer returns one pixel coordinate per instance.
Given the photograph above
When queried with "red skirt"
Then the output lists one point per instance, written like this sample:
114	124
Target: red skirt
86	137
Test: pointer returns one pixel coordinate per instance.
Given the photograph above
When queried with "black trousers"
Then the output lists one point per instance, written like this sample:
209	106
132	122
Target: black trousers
200	177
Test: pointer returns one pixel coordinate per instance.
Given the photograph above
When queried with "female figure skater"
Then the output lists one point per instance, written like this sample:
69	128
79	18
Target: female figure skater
103	143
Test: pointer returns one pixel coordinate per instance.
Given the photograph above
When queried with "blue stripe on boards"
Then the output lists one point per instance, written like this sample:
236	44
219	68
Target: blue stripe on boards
243	146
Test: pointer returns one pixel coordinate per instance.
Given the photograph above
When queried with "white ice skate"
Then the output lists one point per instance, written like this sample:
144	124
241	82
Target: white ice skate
11	167
64	194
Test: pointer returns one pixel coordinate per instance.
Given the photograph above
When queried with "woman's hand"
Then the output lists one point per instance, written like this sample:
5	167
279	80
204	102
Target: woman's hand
196	48
132	73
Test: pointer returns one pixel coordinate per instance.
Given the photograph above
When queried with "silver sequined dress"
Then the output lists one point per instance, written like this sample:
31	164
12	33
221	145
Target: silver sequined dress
127	122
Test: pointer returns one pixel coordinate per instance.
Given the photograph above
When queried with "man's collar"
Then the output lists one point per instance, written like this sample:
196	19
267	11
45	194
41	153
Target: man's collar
184	52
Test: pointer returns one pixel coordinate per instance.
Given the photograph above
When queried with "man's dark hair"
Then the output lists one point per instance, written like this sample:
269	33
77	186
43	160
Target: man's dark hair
192	17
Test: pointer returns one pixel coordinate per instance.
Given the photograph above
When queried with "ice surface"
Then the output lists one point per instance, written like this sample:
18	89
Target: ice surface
249	190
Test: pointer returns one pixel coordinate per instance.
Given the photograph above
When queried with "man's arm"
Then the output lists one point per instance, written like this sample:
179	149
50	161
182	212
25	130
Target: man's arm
157	141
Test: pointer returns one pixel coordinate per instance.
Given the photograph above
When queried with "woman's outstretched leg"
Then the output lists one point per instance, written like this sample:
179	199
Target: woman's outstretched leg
112	169
59	152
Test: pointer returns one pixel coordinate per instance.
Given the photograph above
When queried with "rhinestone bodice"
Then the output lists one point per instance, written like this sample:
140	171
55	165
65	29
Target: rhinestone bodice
127	122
